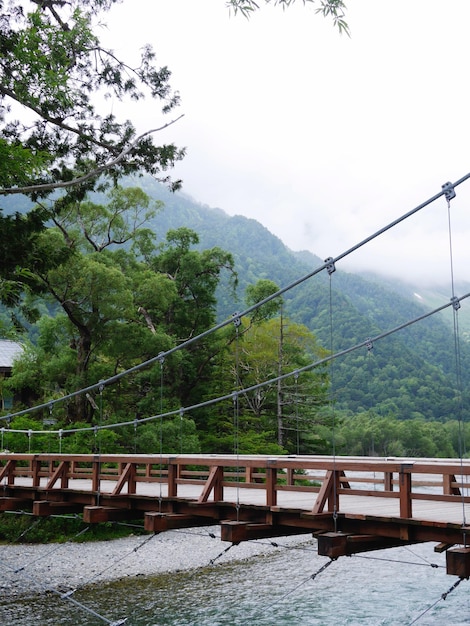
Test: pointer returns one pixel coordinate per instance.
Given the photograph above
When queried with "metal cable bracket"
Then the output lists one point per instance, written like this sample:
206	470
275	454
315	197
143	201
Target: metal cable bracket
236	319
369	344
455	303
330	268
449	191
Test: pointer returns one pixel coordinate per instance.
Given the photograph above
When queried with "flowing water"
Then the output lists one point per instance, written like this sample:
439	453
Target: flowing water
388	588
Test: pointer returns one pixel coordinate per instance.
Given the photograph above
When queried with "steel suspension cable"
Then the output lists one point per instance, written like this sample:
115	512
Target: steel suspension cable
330	269
450	195
442	597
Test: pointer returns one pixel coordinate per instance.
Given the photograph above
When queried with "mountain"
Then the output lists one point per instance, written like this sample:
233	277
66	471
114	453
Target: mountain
410	373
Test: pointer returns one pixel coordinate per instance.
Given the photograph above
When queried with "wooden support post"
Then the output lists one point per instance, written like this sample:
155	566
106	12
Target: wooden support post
290	476
335	544
332	545
233	531
14	504
406	509
159	522
172	484
35	470
458	562
97	514
44	508
271	480
95	476
448	489
388	481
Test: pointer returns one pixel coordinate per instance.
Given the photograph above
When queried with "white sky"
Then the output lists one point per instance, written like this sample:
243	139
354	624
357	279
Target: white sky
323	139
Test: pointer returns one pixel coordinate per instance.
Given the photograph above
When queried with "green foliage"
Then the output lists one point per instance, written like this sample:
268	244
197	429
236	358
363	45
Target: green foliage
259	292
407	377
176	436
26	529
328	8
52	67
369	434
273	416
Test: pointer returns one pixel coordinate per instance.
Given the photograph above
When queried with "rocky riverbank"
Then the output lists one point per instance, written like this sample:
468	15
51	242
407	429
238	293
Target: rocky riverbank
27	568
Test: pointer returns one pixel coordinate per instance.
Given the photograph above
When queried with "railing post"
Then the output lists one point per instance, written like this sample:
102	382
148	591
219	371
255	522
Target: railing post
271	493
132	481
406	509
95	477
35	469
172	476
448	489
64	480
388	481
290	476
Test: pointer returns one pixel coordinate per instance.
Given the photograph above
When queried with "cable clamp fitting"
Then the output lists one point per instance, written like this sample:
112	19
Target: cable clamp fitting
449	191
236	319
369	344
455	303
330	267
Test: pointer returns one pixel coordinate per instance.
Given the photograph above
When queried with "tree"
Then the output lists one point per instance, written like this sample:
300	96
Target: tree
55	132
194	276
256	357
258	292
53	67
119	300
328	8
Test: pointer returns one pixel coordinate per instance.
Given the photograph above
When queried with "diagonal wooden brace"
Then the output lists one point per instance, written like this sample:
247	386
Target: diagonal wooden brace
213	482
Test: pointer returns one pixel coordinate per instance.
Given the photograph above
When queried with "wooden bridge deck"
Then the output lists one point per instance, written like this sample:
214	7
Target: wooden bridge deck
351	504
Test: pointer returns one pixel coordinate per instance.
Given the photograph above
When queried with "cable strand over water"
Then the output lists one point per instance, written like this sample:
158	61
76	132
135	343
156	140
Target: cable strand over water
443	597
303	582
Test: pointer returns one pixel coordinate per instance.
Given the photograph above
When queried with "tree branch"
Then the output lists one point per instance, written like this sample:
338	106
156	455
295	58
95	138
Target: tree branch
56	121
92	174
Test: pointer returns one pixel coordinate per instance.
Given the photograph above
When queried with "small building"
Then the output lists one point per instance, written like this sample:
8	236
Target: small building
9	351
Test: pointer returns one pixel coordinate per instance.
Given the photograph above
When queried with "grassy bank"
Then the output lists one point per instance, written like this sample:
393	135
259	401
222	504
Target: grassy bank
24	528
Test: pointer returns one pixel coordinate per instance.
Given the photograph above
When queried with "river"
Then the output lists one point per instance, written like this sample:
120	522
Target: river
388	588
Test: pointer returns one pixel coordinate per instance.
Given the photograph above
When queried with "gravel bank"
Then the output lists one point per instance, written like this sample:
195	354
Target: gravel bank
26	568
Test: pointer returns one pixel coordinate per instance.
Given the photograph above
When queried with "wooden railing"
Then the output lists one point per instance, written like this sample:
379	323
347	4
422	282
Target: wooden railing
328	478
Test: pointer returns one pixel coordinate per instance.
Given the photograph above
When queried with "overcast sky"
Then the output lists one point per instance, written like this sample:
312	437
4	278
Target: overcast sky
322	138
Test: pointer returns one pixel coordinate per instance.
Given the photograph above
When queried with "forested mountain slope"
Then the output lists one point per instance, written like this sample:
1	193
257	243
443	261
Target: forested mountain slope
410	373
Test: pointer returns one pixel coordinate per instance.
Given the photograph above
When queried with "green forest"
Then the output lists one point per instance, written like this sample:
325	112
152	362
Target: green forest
121	295
105	266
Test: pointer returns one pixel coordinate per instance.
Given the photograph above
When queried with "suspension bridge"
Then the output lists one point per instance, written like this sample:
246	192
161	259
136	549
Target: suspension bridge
350	504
